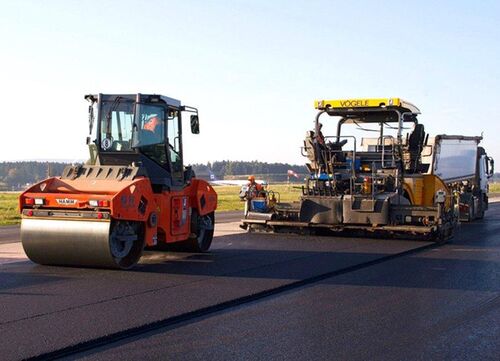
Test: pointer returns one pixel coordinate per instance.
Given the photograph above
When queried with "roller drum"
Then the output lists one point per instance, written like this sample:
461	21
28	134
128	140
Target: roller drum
79	243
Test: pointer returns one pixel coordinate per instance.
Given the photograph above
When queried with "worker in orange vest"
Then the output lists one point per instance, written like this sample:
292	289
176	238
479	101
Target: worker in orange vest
252	183
152	130
253	190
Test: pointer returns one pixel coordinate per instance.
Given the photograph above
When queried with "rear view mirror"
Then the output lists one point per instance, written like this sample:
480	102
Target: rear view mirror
195	124
490	165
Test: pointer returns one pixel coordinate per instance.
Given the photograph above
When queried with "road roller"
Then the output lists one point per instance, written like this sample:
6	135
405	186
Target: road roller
133	193
366	177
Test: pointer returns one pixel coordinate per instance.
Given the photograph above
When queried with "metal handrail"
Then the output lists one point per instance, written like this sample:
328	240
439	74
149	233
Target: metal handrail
382	141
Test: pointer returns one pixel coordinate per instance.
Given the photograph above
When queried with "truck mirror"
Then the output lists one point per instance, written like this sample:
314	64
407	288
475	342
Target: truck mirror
195	124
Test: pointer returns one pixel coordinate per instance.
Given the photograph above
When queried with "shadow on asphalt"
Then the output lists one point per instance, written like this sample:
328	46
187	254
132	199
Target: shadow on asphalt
243	256
12	280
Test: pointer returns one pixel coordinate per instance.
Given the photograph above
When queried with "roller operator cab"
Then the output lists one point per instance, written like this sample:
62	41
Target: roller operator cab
365	175
134	192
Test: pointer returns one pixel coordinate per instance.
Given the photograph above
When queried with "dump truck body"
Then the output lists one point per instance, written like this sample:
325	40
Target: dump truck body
465	168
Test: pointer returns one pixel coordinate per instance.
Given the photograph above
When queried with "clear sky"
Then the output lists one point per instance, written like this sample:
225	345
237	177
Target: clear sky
253	68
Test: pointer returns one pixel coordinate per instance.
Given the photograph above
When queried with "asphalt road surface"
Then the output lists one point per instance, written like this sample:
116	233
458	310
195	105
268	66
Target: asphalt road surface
261	296
439	304
9	234
228	216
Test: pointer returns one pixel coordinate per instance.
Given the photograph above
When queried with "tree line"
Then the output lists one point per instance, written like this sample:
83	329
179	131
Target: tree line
229	168
17	175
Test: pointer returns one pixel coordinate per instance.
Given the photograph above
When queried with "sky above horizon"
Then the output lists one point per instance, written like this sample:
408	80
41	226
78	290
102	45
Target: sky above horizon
253	69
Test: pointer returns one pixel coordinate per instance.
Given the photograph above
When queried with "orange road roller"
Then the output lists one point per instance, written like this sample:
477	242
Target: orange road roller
133	192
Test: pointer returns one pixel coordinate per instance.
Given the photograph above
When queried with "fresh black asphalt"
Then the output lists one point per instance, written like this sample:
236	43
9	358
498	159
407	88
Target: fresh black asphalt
440	304
46	308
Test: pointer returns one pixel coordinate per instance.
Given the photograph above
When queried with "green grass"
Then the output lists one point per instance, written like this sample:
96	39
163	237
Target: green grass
227	195
230	201
494	187
227	198
8	209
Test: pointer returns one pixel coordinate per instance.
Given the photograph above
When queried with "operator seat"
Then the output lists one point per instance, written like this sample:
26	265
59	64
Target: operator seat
336	150
416	142
310	151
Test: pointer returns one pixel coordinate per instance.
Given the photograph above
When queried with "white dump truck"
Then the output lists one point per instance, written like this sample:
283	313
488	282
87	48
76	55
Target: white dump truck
465	167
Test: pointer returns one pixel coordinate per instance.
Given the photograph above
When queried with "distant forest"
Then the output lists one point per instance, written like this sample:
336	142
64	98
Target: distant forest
17	175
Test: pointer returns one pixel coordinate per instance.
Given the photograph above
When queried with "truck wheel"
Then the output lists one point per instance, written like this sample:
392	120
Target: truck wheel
480	214
443	234
202	228
470	211
483	205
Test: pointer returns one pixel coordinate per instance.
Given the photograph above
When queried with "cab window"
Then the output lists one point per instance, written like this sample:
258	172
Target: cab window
150	122
174	141
116	126
150	132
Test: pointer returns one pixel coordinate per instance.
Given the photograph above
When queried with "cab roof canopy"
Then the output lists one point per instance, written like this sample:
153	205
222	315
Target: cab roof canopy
148	98
369	110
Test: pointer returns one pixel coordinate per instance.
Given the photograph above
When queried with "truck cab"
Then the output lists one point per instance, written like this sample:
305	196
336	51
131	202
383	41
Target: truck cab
465	167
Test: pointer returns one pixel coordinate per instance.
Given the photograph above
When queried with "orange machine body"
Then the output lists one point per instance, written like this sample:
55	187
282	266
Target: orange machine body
166	216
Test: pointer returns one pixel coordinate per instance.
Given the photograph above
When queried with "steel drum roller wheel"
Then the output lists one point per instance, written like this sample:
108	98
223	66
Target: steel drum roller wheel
115	244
